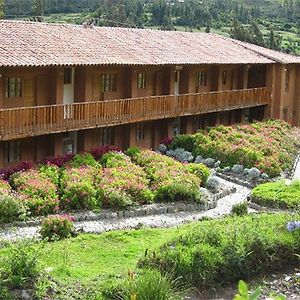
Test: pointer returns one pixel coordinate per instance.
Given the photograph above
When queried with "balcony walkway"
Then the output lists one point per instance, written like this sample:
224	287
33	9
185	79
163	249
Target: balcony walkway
39	120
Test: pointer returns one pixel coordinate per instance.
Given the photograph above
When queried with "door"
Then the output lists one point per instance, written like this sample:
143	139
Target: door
68	97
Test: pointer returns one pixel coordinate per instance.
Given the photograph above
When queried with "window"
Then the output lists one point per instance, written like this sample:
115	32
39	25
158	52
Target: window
14	87
224	77
109	82
201	79
13	151
106	136
287	81
68	76
198	123
141	81
140	132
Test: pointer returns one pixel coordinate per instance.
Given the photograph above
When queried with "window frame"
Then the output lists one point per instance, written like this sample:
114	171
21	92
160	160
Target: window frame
109	82
201	78
224	77
15	147
106	136
17	89
140	132
287	81
141	80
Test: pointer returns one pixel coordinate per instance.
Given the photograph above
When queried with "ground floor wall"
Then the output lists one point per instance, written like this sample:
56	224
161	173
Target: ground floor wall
143	135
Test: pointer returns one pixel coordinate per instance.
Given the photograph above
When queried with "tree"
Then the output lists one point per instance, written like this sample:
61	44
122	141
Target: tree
38	8
274	41
1	9
207	29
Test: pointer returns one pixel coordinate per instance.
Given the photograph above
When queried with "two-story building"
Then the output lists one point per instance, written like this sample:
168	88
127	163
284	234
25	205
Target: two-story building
67	88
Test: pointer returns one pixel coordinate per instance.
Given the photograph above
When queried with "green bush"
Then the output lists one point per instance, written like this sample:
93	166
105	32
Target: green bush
277	195
185	141
85	159
240	209
133	152
11	209
114	159
226	250
20	266
200	171
50	171
78	189
57	227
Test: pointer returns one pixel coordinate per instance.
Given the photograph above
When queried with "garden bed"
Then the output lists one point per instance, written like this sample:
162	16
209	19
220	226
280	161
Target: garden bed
282	194
88	182
259	150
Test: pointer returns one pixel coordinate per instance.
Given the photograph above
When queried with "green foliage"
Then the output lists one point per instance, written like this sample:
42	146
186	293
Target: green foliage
270	146
200	171
187	142
20	265
57	227
240	209
11	209
171	180
52	172
222	251
133	152
78	189
278	194
85	159
114	159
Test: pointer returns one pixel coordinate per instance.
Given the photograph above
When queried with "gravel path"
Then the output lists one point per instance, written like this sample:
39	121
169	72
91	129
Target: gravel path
167	220
297	171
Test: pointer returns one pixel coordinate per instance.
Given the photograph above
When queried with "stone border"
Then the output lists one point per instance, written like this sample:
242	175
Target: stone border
236	180
293	170
145	210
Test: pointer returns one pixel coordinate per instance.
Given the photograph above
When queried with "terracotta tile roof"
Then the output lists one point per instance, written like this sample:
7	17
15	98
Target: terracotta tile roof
41	44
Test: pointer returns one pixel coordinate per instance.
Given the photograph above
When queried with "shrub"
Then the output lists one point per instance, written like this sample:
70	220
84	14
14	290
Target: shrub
269	146
5	188
100	151
277	194
58	161
11	209
170	179
37	191
23	166
222	251
114	159
125	185
200	171
50	171
57	227
78	190
133	152
80	160
240	209
20	266
185	141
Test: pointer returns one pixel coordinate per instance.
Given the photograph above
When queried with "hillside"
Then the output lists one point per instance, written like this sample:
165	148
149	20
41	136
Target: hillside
270	23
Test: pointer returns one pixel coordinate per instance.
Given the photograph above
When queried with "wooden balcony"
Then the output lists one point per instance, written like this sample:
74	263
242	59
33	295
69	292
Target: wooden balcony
40	120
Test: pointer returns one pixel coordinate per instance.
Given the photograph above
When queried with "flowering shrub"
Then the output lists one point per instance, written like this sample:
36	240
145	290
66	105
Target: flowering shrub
269	146
85	159
170	179
11	209
57	227
78	189
50	171
115	159
37	191
124	184
58	161
200	171
100	151
23	166
5	188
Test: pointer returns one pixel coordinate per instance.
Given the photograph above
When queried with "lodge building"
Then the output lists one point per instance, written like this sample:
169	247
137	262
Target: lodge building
68	88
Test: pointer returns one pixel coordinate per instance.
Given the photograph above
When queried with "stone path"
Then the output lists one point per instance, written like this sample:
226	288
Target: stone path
167	220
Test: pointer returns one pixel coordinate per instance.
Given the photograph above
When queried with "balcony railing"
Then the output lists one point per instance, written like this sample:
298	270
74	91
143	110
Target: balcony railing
40	120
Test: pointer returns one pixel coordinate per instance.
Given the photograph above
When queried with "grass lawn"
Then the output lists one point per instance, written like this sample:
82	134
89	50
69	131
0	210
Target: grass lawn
88	256
278	195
